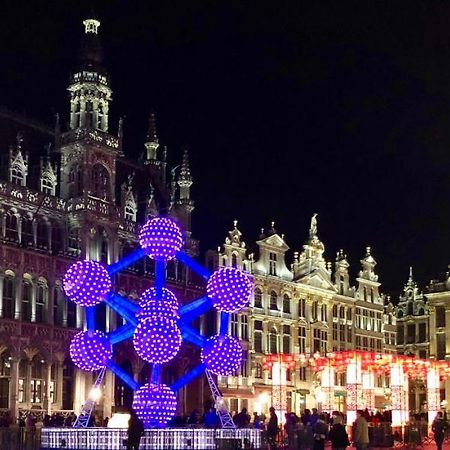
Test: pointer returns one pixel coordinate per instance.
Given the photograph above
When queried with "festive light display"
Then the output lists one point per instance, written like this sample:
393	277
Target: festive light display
433	393
161	237
327	387
222	354
86	283
157	339
166	306
155	404
90	350
157	324
229	289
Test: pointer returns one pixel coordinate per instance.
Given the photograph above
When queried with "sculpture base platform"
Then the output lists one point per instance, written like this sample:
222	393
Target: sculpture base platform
157	439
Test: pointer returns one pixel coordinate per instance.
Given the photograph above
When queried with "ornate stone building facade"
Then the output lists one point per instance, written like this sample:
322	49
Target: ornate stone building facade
79	198
307	307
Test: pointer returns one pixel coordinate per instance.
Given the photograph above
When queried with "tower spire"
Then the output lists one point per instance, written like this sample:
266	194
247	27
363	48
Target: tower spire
184	177
152	141
90	91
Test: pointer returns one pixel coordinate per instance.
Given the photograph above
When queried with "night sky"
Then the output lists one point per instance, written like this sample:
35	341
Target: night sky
289	108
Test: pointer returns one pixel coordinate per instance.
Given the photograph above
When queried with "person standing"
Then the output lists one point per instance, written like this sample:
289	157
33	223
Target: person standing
338	436
360	432
438	427
135	431
272	429
320	430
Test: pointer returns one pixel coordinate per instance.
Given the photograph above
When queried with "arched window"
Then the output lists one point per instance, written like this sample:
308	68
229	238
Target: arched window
104	249
75	177
258	298
273	301
335	311
41	301
12	222
58	306
71	315
5	374
100	182
130	210
286	304
57	239
27	289
27	232
74	240
234	260
258	370
364	293
421	312
37	379
342	312
42	234
9	294
17	175
400	313
48	184
410	308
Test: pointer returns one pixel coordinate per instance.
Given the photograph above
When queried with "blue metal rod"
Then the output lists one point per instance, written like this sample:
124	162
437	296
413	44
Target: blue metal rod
156	374
121	334
129	381
193	264
160	277
125	302
90	318
190	334
191	375
117	306
195	309
126	261
224	321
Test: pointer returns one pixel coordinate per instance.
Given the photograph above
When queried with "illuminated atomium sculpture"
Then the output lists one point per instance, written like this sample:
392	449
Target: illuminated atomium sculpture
158	324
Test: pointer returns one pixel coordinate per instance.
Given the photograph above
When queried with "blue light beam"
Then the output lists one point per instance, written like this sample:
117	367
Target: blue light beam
121	334
224	321
156	374
120	306
90	318
195	309
191	375
190	334
160	277
118	371
126	261
193	264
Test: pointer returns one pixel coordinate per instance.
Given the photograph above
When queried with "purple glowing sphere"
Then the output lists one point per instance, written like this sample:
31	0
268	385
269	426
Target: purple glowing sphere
86	283
155	404
90	350
229	289
222	354
157	339
151	305
161	237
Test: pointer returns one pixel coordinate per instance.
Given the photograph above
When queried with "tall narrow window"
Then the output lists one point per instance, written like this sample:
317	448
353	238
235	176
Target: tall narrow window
234	324
258	298
100	182
58	308
302	307
273	301
286	304
286	339
9	293
234	260
272	264
41	303
244	327
37	380
26	301
302	339
273	341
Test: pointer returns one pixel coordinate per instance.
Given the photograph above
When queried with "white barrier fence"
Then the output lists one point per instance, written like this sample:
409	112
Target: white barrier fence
158	439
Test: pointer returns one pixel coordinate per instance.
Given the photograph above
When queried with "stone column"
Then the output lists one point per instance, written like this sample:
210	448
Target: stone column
27	387
33	300
18	305
447	340
4	225
19	229
432	330
59	383
108	394
49	238
2	277
50	305
47	404
13	388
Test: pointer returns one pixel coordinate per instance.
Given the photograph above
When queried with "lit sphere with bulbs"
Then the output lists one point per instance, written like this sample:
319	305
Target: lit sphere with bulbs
157	339
161	238
155	404
90	350
229	289
166	306
86	283
222	354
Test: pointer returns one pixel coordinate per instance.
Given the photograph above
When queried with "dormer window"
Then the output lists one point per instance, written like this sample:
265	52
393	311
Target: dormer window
272	264
17	176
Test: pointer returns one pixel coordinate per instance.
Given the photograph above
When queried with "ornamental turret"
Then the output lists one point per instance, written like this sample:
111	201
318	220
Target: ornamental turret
152	142
90	91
